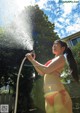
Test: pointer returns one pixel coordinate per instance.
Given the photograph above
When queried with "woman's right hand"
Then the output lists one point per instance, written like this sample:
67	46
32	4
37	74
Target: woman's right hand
30	56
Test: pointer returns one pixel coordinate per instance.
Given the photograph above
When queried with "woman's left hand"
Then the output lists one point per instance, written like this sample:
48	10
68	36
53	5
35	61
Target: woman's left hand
29	56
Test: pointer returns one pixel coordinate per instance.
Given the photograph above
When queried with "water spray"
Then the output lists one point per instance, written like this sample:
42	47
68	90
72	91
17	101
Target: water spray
17	85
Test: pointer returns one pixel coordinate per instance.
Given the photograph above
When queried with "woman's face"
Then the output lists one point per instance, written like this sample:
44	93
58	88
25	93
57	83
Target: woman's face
57	49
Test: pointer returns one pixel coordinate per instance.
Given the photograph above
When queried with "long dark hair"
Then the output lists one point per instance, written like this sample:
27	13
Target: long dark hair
70	59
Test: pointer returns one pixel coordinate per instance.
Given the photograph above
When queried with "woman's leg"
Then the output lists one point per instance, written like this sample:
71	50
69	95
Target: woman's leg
49	108
62	103
49	103
68	103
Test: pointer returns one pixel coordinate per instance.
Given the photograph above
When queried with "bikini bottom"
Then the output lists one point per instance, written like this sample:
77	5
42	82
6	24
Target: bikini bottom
50	97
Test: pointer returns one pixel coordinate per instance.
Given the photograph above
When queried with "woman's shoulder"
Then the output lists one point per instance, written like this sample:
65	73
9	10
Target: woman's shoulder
60	57
59	60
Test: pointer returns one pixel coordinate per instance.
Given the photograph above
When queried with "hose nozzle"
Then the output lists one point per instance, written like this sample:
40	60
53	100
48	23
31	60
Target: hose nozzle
32	53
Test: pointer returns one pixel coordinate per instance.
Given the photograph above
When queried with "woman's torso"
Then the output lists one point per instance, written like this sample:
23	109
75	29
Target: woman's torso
52	81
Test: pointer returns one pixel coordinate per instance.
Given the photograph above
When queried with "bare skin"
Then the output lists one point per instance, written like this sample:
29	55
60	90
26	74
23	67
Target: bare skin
52	73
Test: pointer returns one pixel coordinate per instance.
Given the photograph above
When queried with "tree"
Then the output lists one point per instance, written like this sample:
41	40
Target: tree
42	32
76	53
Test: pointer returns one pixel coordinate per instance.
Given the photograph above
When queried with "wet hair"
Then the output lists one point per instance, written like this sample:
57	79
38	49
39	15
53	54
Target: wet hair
70	59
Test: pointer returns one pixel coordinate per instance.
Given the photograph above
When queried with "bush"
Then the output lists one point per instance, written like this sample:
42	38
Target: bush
76	53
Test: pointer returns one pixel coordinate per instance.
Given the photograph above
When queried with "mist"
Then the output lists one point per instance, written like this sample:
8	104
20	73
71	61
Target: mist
18	25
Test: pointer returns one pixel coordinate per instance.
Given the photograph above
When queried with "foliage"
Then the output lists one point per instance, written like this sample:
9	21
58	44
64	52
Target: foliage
76	53
38	93
1	31
42	33
66	73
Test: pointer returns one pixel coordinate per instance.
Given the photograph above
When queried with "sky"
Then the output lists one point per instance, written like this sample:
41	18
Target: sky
65	14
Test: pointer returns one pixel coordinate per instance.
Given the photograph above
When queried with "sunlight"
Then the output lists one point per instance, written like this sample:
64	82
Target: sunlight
23	3
16	6
12	9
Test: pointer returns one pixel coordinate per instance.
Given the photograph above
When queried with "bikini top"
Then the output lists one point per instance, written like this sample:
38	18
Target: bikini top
48	62
66	68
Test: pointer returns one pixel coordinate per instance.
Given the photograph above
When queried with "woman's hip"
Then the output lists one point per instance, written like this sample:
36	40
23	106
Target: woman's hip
58	97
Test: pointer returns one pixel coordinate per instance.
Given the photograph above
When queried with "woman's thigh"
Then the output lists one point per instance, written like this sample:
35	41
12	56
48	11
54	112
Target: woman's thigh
62	103
49	102
49	108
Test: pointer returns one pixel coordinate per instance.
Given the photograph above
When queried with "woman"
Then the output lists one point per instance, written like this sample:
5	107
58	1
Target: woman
57	99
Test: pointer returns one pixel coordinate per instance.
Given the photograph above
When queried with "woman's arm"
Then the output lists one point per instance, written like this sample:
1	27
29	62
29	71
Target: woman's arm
36	68
54	65
39	71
